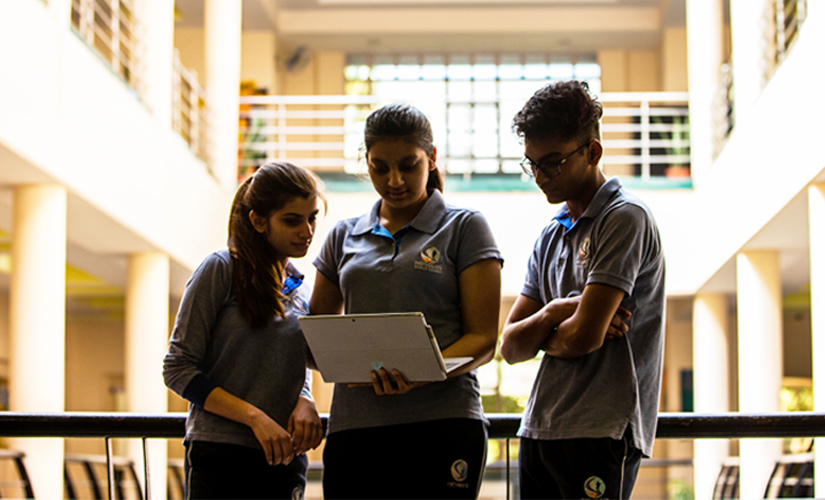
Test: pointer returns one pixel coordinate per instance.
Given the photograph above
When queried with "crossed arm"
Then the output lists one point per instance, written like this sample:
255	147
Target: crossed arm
564	328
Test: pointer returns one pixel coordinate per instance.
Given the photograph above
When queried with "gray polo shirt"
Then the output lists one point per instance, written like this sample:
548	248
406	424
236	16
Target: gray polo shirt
265	367
416	269
616	243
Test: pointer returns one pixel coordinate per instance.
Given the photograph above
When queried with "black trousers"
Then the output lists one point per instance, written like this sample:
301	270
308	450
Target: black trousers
219	470
433	459
578	468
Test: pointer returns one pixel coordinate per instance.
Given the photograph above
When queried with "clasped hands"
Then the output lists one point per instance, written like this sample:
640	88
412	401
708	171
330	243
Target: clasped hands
303	433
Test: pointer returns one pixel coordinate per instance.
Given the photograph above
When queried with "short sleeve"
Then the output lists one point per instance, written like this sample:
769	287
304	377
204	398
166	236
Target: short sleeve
477	242
623	241
532	287
329	258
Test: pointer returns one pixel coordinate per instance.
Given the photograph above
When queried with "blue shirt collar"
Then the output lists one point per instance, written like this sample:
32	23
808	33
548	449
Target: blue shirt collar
293	280
427	220
603	195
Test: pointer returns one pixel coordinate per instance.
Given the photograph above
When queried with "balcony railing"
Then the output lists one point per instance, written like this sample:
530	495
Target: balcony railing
646	136
790	14
189	108
111	28
502	426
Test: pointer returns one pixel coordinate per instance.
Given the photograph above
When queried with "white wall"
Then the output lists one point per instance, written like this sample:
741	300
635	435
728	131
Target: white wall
71	119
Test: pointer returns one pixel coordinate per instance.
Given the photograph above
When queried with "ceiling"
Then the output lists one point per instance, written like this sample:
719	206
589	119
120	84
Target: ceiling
393	26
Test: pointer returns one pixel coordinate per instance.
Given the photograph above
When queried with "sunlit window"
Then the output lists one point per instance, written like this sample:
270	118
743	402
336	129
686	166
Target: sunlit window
470	99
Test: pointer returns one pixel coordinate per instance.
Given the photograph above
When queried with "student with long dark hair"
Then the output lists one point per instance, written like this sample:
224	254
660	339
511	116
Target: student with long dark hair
411	252
237	352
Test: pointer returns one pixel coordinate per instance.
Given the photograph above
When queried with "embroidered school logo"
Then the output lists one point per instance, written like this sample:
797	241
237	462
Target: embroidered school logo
429	260
459	470
594	487
430	255
584	249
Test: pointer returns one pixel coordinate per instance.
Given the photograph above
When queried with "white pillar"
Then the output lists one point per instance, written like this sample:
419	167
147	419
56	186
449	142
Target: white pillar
747	47
147	329
711	322
159	42
37	319
816	236
222	58
705	30
759	318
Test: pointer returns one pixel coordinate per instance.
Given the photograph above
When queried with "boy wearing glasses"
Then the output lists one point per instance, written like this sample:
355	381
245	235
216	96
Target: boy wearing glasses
593	301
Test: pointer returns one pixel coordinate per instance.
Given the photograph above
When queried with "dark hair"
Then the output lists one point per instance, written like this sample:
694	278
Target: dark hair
402	121
563	110
257	274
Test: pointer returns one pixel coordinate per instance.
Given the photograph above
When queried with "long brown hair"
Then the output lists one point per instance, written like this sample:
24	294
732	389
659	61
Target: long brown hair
257	274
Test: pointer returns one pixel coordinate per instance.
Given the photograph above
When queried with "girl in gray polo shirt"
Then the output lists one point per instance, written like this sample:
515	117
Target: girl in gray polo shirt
237	353
411	252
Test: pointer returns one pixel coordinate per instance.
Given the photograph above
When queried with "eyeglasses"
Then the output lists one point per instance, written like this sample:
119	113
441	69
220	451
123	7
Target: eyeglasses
531	168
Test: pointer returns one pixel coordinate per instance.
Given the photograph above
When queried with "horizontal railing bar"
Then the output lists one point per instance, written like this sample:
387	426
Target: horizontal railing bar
623	97
502	426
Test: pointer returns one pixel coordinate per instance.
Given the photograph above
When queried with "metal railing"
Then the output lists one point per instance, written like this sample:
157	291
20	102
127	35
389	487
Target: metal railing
646	134
111	28
502	426
189	108
790	14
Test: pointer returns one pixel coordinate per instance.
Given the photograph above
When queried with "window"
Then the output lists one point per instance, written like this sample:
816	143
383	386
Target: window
469	99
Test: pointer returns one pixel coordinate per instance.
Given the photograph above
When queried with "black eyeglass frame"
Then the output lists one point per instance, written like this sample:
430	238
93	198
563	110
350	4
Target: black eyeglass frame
531	168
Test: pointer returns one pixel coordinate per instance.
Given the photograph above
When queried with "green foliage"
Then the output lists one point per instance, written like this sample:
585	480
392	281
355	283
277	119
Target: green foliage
678	489
796	399
509	404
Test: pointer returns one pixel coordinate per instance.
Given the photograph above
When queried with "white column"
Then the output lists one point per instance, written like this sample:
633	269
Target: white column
711	322
705	30
37	319
759	318
147	329
159	43
747	47
816	236
222	58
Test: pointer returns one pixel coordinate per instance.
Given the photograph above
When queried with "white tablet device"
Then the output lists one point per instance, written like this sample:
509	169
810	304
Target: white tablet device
348	347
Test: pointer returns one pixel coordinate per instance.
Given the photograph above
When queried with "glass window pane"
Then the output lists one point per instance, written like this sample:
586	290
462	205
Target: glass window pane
428	91
485	91
485	166
458	117
561	71
458	145
459	71
383	73
433	72
459	91
485	117
536	71
484	71
458	166
485	145
511	167
408	72
588	70
510	145
510	68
